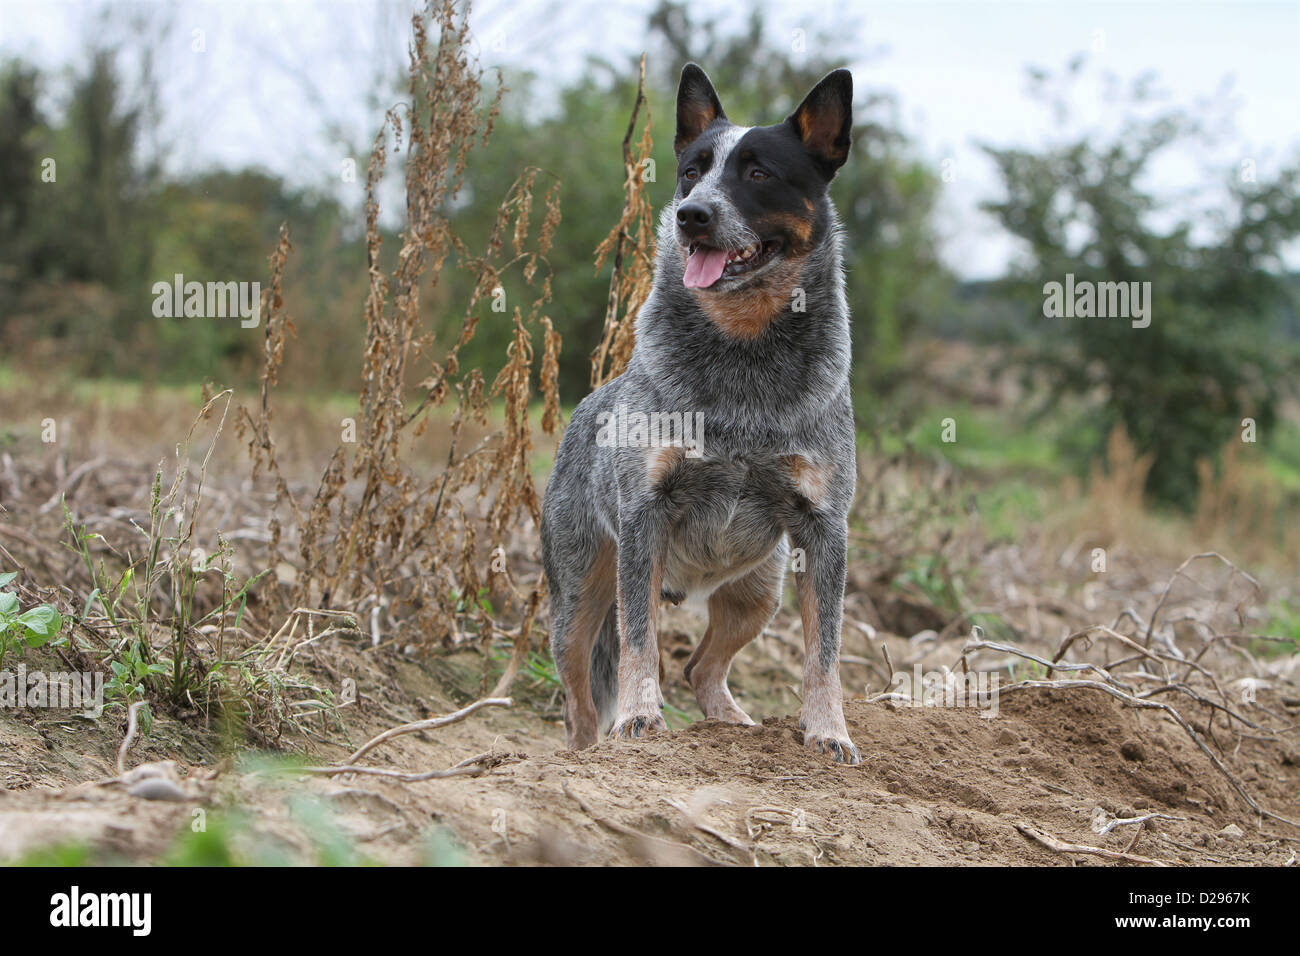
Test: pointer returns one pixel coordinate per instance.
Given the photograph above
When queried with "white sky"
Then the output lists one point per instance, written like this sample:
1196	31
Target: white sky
271	71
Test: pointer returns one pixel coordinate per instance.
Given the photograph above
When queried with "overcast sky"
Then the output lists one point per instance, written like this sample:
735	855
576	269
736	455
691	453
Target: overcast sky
273	74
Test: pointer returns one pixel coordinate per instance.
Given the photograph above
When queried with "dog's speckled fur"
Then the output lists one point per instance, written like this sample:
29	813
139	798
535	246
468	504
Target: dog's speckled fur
778	465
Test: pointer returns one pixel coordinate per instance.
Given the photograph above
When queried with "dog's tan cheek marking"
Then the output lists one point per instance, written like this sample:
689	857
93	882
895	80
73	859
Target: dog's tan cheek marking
802	229
745	315
810	479
748	313
798	228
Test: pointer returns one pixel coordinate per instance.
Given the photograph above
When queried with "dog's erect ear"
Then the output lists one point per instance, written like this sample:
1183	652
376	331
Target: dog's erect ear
697	106
824	119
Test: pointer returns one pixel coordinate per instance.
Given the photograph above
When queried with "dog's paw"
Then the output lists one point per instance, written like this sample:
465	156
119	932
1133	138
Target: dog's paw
837	744
717	703
637	725
730	715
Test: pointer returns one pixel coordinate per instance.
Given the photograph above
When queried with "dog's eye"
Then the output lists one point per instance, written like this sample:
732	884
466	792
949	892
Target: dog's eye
691	174
757	175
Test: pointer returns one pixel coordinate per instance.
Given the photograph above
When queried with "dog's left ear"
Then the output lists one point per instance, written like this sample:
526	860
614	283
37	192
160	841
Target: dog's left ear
824	119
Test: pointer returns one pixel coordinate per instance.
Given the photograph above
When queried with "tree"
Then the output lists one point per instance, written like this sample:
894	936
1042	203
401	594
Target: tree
1213	353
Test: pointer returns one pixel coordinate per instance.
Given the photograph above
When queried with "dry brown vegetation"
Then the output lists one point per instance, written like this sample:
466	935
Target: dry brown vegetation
408	546
351	613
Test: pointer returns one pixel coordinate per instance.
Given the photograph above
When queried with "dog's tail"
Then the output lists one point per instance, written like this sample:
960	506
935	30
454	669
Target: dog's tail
604	672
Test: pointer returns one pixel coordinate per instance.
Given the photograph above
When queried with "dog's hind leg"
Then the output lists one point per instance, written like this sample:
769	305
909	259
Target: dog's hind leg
738	611
582	611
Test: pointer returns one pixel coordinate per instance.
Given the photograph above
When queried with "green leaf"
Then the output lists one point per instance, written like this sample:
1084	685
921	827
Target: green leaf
7	577
8	602
42	623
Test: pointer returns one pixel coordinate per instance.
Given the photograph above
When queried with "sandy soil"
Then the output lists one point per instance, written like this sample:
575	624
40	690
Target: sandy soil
938	786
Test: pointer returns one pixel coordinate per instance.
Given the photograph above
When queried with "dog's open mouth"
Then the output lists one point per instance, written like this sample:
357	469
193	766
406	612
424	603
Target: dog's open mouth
706	265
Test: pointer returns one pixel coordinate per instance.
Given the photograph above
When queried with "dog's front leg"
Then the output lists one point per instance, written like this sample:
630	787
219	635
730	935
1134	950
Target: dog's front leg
824	540
640	579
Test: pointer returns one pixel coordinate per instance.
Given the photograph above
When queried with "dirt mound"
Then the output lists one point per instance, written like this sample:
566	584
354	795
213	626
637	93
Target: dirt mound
937	787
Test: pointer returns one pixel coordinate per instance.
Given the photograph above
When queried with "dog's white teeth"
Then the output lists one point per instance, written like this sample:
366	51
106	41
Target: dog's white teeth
745	254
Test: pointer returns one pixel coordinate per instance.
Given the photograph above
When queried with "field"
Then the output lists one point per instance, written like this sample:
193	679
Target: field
1202	772
311	603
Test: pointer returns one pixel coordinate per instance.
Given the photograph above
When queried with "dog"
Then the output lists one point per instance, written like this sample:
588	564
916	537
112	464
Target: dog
742	353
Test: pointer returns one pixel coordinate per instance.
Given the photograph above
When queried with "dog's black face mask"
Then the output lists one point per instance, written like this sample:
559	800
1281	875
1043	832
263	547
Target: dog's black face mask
752	199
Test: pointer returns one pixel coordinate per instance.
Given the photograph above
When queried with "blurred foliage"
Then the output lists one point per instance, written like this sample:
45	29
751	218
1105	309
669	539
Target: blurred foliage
1215	351
79	256
87	228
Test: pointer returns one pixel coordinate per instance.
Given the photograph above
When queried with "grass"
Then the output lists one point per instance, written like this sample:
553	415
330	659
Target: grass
1008	507
1282	456
986	440
1283	623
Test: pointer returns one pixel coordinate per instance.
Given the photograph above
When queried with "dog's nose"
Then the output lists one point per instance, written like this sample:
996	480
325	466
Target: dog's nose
694	218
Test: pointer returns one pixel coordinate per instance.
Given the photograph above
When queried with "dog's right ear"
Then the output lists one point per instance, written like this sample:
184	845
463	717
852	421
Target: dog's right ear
697	106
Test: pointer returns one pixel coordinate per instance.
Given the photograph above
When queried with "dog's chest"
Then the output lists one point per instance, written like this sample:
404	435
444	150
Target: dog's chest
727	516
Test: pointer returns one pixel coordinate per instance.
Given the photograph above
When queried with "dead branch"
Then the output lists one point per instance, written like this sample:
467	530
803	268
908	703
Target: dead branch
132	723
1178	719
470	767
1061	846
1151	623
1139	821
432	723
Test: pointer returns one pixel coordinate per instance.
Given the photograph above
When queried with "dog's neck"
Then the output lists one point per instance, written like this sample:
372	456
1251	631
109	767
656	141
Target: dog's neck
793	363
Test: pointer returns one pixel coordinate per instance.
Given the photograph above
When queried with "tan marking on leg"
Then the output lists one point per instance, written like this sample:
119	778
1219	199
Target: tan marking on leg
737	613
574	666
661	460
810	478
822	714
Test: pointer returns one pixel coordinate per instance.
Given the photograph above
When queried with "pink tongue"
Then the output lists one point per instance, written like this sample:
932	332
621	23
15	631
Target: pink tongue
704	267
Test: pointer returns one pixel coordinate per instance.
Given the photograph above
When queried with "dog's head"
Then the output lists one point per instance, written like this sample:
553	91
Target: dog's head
751	202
